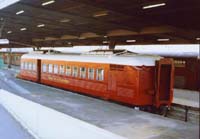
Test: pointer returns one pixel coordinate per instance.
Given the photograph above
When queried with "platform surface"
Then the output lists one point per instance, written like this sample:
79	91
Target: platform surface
46	123
116	118
10	128
186	98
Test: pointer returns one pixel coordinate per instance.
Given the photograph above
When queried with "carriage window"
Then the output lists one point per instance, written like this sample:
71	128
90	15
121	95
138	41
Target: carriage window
75	72
50	68
62	69
26	66
29	66
44	68
47	67
82	72
91	73
55	69
100	74
68	70
34	66
22	65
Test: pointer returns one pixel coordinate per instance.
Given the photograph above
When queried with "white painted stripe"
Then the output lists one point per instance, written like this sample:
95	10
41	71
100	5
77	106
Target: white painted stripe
45	123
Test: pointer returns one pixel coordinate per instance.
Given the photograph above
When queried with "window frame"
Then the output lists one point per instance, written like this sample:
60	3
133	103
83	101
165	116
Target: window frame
34	66
44	66
55	69
81	72
22	66
89	73
68	72
29	65
26	66
75	74
101	78
50	68
62	69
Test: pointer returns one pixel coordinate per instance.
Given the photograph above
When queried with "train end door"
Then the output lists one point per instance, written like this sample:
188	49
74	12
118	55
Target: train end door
164	82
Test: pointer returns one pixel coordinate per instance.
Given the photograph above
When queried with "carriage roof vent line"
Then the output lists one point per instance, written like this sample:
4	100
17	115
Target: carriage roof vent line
51	51
120	53
108	52
45	51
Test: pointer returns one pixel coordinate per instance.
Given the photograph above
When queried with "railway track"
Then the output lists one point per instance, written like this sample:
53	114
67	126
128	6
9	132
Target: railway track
177	111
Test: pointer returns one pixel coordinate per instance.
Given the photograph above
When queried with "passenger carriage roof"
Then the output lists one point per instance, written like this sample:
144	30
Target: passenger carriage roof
133	60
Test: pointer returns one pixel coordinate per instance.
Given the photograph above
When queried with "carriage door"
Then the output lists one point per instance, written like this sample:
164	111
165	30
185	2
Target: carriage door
165	81
38	70
112	85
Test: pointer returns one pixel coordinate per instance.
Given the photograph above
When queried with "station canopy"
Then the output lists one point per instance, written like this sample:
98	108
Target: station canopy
56	23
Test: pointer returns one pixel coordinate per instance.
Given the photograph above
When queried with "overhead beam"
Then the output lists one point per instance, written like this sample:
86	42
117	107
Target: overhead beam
27	7
136	20
49	24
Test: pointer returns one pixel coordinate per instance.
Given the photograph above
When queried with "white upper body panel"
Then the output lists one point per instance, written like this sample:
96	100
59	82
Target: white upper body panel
133	60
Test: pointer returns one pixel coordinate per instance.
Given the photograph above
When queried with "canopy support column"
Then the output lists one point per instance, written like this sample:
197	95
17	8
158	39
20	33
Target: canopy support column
112	45
9	57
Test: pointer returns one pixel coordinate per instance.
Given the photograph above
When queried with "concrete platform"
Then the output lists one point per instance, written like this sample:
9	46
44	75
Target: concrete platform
56	126
10	128
186	98
185	106
116	118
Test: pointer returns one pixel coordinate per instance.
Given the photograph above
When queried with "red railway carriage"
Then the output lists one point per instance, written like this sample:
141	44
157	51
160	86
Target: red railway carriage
138	80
